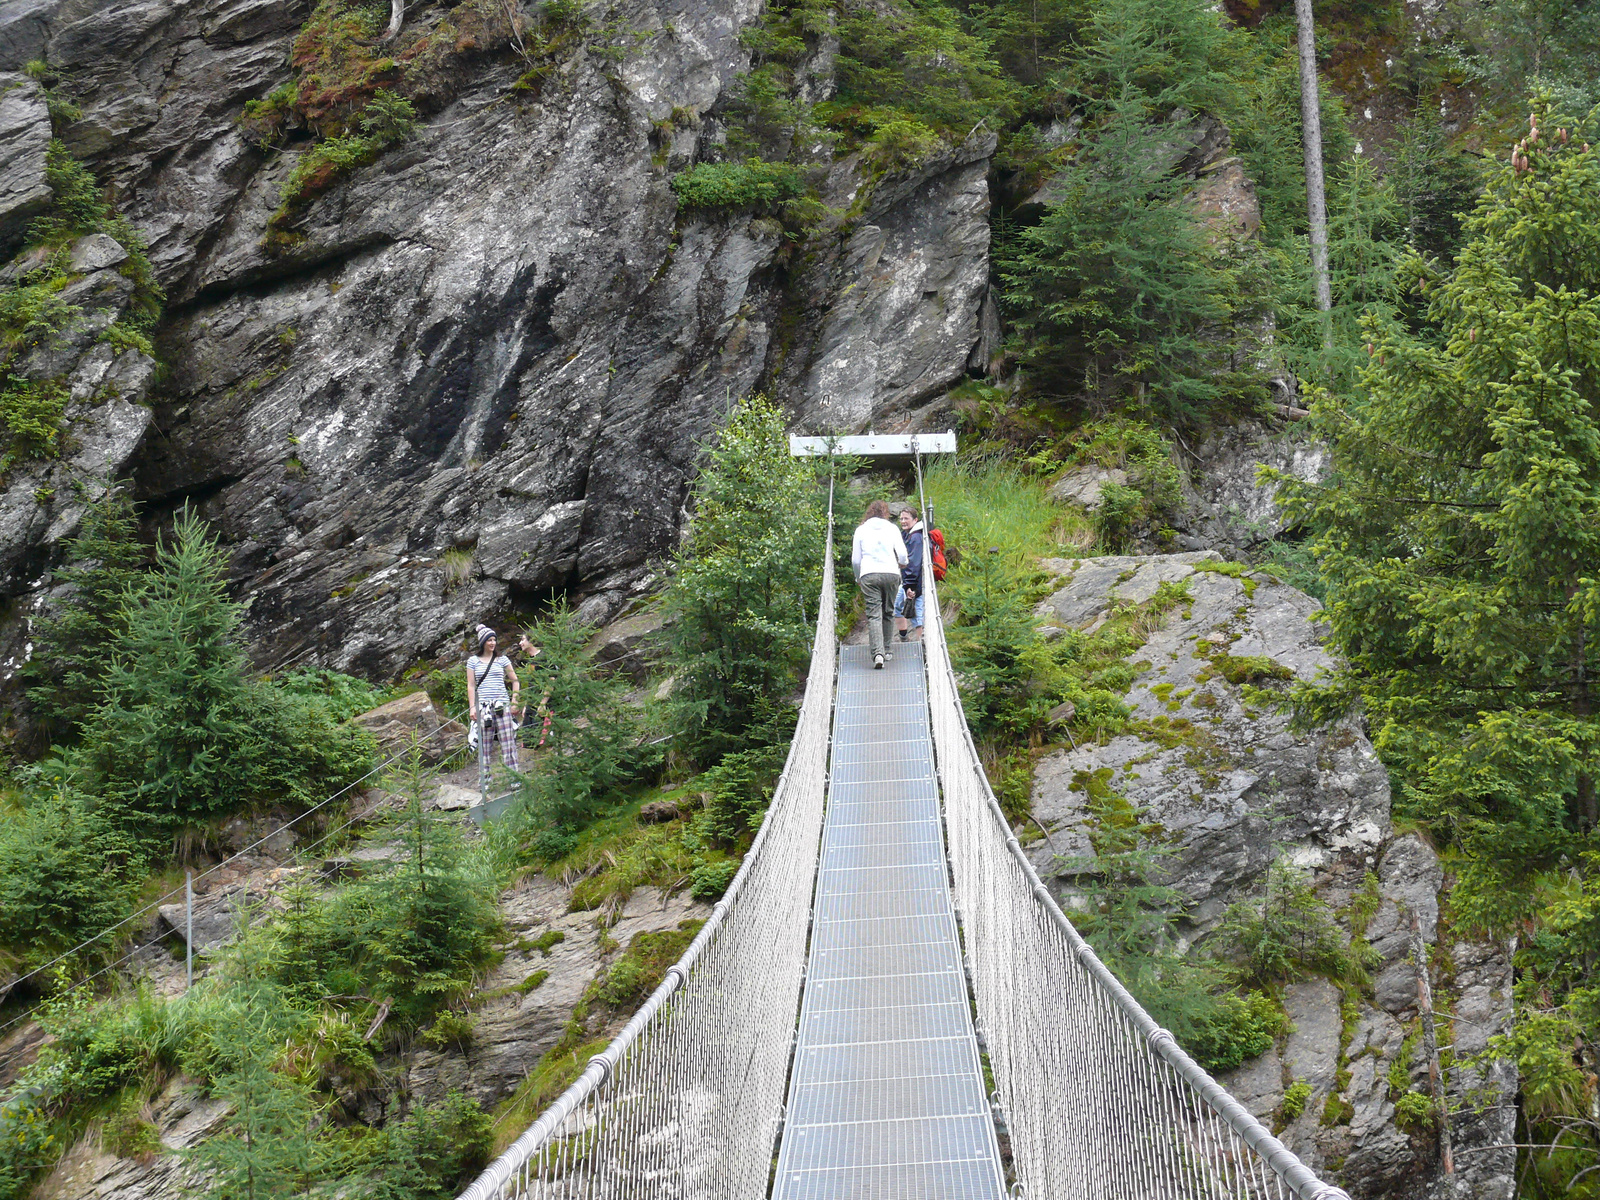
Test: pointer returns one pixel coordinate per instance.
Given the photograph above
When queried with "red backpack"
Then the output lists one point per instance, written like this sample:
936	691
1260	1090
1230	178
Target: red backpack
936	543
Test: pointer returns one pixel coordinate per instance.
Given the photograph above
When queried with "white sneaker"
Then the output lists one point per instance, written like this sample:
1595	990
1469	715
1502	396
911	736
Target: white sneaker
877	662
888	656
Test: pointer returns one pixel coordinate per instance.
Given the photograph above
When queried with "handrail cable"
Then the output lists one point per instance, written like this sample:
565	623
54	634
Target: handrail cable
1049	1161
708	1052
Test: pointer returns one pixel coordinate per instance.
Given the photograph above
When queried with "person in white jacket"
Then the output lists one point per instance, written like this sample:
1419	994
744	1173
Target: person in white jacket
877	553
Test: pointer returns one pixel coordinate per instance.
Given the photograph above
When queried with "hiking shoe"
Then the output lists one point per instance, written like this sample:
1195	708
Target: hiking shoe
877	662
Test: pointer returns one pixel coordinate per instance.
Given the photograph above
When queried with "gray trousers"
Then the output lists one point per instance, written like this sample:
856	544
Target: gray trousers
879	589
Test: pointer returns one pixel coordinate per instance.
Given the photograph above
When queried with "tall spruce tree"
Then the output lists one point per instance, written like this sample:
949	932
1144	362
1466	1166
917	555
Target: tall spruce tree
180	729
1460	529
1120	291
174	739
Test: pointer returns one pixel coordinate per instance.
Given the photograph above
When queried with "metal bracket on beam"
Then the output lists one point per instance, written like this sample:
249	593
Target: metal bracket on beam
874	445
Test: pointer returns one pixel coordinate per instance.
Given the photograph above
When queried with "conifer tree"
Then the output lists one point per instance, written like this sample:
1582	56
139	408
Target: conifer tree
173	736
744	594
1460	531
266	1149
1120	292
180	729
591	743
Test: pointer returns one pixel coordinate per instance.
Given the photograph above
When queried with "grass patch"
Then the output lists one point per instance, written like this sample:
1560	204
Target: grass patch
554	1074
986	501
617	854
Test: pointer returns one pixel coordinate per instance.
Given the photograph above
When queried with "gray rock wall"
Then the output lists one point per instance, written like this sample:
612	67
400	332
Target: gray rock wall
1235	789
499	342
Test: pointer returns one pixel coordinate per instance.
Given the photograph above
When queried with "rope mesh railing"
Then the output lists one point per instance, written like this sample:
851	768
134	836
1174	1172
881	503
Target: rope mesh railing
687	1100
1099	1100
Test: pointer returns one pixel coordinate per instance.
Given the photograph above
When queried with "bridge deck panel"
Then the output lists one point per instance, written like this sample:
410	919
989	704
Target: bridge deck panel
886	1098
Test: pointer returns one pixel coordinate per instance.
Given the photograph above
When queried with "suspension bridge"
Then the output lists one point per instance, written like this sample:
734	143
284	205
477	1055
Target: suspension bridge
889	1004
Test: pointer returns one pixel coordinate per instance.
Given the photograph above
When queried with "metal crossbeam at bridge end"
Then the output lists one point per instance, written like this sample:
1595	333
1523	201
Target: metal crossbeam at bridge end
872	1044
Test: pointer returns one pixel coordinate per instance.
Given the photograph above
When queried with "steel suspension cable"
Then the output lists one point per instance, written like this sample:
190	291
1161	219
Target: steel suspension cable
687	1100
1099	1100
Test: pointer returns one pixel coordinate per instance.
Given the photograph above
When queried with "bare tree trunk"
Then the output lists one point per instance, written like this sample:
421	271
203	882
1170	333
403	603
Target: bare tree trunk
397	13
1430	1047
1316	188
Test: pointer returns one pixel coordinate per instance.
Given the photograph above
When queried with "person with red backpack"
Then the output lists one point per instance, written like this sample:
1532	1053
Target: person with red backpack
908	604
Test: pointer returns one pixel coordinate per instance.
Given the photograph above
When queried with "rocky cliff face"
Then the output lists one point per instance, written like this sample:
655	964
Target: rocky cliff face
483	366
1210	762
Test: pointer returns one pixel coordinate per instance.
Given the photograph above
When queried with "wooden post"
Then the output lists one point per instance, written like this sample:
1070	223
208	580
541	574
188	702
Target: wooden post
1316	187
1430	1044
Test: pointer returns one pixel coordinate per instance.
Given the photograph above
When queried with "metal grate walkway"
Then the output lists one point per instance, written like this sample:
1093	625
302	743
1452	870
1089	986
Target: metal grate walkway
886	1098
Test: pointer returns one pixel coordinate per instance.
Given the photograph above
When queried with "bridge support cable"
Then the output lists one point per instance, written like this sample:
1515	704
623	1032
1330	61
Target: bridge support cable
687	1100
1100	1102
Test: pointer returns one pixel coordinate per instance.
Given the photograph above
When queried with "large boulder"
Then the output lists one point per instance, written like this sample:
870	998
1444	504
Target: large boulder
1225	503
1210	758
412	720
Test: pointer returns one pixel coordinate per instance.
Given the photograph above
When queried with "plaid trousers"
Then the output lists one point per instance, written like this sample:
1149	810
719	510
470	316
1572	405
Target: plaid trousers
493	727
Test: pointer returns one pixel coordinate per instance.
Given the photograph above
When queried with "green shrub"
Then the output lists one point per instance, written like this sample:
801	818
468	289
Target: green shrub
384	121
898	145
344	696
753	183
1294	1100
78	207
1289	933
450	1028
710	881
1237	1029
265	1149
66	873
1414	1112
430	1155
740	788
31	414
1120	509
34	314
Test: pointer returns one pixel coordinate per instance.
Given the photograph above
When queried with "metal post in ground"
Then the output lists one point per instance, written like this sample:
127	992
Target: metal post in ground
188	930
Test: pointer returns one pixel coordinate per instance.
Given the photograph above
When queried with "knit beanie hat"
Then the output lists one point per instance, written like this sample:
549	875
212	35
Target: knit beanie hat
484	634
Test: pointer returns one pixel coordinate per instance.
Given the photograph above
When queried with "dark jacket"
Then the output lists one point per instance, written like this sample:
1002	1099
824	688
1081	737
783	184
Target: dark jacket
911	573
